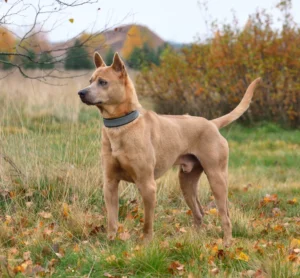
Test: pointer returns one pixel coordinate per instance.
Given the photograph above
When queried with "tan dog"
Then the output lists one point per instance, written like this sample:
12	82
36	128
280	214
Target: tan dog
145	148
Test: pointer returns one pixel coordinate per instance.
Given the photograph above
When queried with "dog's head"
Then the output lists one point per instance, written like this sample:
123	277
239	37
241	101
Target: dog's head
107	84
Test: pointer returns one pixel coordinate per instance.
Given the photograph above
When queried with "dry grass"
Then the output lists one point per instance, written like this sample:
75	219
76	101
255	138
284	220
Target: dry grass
51	201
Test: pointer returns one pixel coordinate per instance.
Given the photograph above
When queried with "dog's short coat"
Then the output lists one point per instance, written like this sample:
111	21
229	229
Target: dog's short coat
144	149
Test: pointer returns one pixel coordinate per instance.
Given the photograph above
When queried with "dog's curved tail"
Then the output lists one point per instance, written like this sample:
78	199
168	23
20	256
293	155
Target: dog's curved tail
240	109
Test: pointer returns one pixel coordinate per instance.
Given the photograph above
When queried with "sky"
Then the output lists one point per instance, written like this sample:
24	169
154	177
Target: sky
181	21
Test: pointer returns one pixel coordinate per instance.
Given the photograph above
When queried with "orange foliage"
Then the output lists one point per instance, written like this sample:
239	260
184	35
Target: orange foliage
135	38
7	40
209	79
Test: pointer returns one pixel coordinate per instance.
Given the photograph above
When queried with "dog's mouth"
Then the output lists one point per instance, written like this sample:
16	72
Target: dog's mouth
87	102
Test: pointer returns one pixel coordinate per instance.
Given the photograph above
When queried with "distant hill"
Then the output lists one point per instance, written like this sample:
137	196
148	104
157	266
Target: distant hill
114	39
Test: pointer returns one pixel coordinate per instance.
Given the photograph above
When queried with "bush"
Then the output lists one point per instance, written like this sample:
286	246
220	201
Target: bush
30	63
46	61
5	66
210	78
109	57
78	58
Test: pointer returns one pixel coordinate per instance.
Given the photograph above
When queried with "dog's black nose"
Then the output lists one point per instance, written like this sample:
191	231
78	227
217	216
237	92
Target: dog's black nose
81	93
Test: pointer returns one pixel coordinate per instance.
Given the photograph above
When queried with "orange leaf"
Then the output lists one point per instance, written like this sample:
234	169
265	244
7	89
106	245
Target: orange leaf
124	236
176	267
292	202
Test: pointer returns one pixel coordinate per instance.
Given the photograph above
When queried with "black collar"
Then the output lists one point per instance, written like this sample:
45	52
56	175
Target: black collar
124	120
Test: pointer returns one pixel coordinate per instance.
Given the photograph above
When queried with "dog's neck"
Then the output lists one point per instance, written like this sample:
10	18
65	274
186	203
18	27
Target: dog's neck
130	103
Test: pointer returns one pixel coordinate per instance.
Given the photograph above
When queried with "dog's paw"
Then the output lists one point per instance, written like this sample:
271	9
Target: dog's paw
147	238
227	242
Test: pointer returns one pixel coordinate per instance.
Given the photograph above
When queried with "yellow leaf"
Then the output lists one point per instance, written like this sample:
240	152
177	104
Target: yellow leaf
243	257
214	249
111	259
71	20
66	210
213	211
295	243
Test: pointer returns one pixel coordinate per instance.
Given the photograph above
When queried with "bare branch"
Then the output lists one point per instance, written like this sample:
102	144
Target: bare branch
50	14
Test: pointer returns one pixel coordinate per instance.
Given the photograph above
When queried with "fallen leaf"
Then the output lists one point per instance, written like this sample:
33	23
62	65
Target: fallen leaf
111	259
45	214
276	212
295	243
97	229
292	202
106	274
26	255
189	212
28	204
292	258
214	271
242	257
213	211
76	248
66	210
164	244
182	230
176	267
124	236
278	228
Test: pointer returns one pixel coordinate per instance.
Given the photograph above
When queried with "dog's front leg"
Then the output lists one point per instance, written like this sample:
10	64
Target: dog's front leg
148	192
111	199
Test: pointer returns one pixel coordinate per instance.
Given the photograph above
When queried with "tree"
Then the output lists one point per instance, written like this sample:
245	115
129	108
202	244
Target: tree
31	62
78	58
109	56
135	59
133	40
46	61
6	64
143	57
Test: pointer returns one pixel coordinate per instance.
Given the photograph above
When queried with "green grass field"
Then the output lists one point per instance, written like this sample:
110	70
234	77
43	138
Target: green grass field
53	219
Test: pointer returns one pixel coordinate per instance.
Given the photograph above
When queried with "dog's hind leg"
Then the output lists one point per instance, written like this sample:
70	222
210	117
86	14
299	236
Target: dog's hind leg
218	184
189	186
213	155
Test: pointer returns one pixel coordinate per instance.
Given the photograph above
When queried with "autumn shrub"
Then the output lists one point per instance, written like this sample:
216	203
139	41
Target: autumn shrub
210	78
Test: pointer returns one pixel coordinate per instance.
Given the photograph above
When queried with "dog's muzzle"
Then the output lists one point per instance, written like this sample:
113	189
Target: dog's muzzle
82	93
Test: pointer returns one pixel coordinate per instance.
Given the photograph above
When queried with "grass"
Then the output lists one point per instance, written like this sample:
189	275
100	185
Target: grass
53	219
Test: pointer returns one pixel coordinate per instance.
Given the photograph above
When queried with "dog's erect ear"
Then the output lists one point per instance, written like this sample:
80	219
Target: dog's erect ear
118	64
98	60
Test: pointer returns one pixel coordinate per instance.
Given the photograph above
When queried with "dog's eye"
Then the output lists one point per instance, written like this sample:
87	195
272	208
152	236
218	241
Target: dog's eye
102	82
